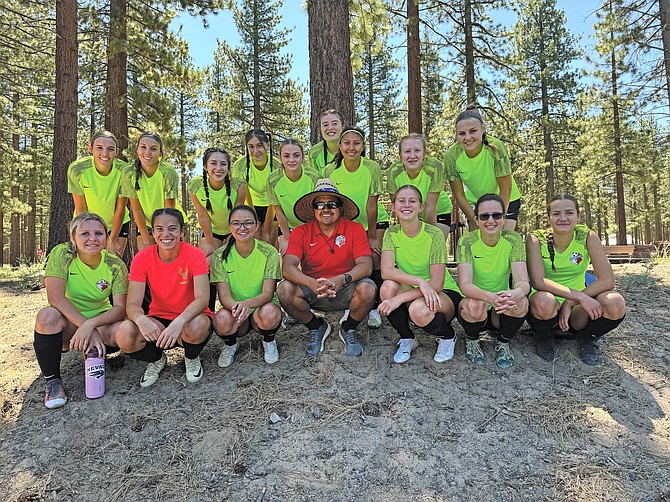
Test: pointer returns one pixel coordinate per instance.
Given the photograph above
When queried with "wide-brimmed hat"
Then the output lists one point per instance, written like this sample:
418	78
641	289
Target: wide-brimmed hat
304	210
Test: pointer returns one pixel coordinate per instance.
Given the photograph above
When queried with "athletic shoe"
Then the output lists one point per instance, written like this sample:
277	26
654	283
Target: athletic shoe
317	338
405	348
193	369
227	356
351	346
504	355
271	354
374	319
546	348
445	349
588	352
153	370
54	394
474	352
344	317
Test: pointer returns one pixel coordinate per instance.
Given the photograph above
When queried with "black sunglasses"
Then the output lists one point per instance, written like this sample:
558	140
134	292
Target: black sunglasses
486	216
331	204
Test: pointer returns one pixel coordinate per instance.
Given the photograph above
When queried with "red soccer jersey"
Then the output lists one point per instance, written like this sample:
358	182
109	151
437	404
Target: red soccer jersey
322	256
171	284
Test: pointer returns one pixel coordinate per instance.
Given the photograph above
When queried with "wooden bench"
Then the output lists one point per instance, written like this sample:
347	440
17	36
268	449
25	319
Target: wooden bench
628	253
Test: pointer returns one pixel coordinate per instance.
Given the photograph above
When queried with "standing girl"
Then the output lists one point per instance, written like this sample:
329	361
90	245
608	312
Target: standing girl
95	185
251	172
287	185
323	153
480	164
425	173
360	179
557	261
417	285
213	196
486	258
81	277
176	275
246	272
150	184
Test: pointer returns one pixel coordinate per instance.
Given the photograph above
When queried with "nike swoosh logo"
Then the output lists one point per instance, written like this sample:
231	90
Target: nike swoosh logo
197	375
283	195
312	244
478	256
84	186
74	273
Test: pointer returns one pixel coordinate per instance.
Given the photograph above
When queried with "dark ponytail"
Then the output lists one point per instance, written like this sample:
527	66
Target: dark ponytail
550	248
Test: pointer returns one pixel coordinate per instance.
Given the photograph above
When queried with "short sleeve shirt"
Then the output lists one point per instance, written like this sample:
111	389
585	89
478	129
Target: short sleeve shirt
322	256
89	289
491	266
429	180
258	180
246	275
315	158
479	174
100	192
285	193
219	200
163	184
571	264
415	255
171	284
359	185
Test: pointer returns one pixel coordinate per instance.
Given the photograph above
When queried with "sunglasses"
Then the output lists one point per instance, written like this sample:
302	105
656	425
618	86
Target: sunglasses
486	216
331	204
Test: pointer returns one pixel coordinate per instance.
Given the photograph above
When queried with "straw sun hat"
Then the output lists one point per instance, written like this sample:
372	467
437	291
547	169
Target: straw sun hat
304	211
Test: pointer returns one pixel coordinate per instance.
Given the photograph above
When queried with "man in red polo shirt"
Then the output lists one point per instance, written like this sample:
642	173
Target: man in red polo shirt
326	267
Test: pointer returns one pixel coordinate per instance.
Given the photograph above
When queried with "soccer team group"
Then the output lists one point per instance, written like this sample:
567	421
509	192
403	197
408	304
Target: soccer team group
303	233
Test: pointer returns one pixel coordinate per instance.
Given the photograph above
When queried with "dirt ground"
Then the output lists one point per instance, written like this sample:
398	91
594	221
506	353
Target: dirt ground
349	429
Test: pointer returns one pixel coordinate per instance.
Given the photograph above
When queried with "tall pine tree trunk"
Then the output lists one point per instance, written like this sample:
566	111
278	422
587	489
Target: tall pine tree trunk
618	157
414	113
331	83
31	245
664	11
65	119
370	103
15	221
116	119
469	53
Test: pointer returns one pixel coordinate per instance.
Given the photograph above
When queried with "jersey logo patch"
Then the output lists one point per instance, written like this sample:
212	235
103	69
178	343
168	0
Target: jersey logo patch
576	258
340	241
183	273
102	284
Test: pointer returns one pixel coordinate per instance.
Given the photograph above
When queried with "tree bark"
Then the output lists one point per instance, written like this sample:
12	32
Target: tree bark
469	54
664	13
31	244
414	112
15	220
65	119
371	103
618	157
116	119
331	83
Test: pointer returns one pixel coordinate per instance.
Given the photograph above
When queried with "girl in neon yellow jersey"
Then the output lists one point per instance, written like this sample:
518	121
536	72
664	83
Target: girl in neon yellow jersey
557	261
486	258
417	285
323	153
95	185
479	164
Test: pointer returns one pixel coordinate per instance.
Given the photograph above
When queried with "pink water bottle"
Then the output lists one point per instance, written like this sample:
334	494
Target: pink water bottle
95	374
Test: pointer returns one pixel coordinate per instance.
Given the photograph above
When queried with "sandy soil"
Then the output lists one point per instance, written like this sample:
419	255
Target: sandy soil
350	429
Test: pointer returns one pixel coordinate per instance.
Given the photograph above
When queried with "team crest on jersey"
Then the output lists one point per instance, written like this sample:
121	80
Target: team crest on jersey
576	258
102	284
183	273
340	241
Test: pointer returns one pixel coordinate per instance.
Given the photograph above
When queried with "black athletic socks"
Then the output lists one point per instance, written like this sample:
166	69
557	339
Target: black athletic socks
440	327
399	319
48	350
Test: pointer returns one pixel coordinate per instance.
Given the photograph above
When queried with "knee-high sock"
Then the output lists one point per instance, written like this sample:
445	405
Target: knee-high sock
47	351
599	327
542	327
508	327
399	319
149	353
472	329
440	327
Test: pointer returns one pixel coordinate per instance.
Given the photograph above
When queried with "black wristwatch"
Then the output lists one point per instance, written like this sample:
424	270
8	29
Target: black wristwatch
347	278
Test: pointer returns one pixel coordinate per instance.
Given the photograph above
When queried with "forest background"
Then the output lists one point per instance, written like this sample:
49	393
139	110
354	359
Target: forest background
591	120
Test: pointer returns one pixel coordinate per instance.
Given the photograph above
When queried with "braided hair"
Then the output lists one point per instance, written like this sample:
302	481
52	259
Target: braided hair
338	156
138	164
263	137
226	180
231	239
472	112
550	233
330	111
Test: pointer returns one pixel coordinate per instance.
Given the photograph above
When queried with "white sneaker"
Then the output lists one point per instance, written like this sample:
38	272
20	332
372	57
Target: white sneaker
374	319
193	369
153	370
271	355
227	356
405	348
344	317
445	349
